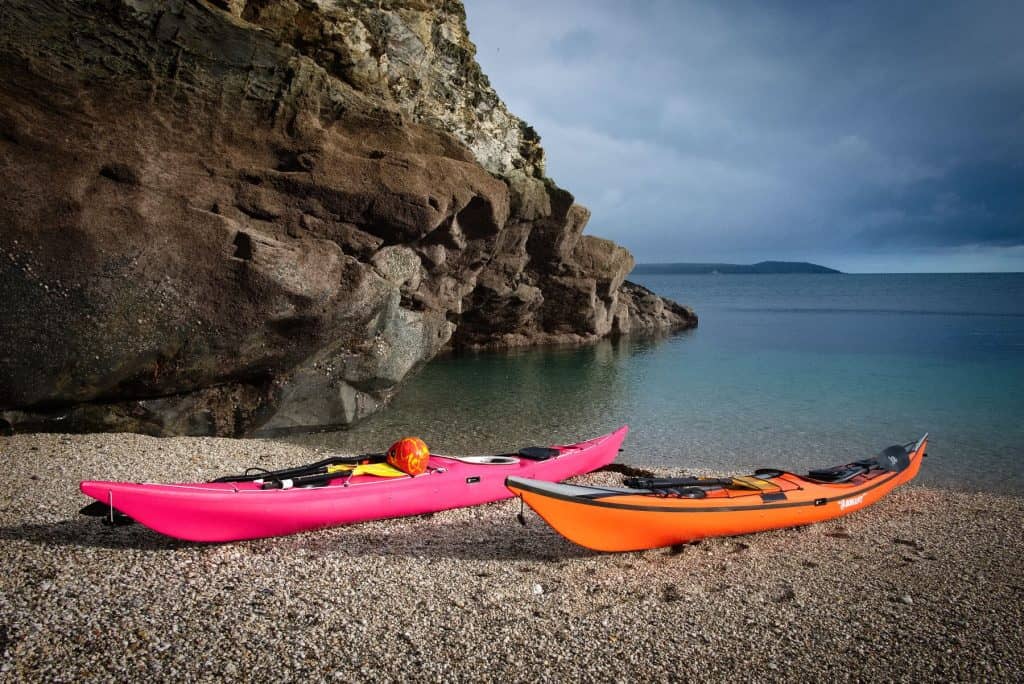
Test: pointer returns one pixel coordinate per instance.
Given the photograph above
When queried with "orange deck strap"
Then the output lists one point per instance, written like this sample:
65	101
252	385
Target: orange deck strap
756	483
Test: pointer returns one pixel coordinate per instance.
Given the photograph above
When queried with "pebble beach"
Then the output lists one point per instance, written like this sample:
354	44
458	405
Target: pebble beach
927	584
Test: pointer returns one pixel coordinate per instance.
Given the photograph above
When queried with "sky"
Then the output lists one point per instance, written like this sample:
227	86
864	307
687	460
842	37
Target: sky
870	137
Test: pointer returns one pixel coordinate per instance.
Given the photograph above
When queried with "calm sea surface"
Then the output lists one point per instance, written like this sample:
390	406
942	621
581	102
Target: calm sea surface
792	371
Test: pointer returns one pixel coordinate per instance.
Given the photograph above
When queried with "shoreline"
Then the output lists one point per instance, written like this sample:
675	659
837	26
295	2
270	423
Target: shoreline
927	583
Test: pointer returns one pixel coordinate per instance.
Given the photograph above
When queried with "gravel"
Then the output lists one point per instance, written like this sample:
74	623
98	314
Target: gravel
927	584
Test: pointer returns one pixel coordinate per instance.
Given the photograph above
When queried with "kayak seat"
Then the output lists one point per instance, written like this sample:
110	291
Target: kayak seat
538	453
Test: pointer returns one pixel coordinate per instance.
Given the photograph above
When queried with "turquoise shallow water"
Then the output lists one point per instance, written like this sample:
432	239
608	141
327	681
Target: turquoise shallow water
794	371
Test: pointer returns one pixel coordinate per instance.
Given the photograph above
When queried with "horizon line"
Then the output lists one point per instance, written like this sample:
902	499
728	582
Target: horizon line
840	272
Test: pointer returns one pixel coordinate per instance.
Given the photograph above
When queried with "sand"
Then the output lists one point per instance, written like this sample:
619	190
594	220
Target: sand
928	584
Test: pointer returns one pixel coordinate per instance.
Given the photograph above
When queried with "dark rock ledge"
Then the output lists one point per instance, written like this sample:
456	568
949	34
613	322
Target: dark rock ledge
228	217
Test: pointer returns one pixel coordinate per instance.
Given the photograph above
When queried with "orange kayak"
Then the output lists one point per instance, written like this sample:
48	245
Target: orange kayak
651	512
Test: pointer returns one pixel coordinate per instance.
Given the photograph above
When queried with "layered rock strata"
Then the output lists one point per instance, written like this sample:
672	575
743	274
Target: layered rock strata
228	217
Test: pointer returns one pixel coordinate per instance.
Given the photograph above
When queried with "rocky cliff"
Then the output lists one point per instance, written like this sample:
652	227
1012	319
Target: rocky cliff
234	216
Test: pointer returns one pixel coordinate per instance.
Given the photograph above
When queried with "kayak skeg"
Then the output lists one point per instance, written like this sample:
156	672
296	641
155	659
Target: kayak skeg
234	510
652	512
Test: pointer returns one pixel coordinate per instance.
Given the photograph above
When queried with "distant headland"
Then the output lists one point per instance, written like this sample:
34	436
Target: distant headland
758	268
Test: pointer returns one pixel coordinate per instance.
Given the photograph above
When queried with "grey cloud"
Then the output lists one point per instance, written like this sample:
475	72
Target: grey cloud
697	131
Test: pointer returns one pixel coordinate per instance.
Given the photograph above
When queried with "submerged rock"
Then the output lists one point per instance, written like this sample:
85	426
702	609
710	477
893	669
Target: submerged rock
236	216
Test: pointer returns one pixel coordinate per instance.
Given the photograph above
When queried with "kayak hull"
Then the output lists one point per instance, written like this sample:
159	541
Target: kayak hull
222	511
613	519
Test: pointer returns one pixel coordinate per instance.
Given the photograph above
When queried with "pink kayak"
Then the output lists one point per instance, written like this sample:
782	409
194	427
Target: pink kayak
229	511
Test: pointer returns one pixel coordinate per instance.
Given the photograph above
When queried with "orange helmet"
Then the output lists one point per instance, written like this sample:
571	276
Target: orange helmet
410	455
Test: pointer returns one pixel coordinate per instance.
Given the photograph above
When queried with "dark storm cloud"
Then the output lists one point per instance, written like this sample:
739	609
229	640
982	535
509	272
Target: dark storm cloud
703	131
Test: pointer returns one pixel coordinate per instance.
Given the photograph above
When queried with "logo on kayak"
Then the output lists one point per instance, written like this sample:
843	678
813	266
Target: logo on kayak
852	501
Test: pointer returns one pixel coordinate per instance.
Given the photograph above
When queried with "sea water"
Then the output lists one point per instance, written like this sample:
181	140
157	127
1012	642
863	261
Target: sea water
788	371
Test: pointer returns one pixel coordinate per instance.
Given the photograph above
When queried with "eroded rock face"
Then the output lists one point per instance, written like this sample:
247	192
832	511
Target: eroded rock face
226	217
413	55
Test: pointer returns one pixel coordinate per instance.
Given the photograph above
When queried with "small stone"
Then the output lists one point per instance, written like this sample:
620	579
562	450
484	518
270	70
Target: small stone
906	599
537	590
784	594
